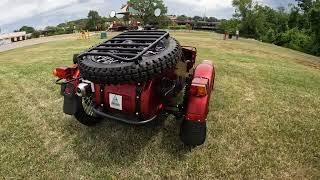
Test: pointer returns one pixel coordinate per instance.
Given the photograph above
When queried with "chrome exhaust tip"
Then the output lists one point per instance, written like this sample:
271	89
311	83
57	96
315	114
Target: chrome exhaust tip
83	89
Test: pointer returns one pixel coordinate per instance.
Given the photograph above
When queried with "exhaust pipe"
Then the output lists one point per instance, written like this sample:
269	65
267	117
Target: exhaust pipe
83	89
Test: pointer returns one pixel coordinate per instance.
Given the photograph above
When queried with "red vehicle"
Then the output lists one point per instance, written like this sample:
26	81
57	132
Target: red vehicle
136	76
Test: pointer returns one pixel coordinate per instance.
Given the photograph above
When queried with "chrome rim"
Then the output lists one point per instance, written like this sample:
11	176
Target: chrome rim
87	105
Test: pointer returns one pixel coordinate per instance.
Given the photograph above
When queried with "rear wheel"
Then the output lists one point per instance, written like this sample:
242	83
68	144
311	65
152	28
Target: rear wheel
85	114
193	133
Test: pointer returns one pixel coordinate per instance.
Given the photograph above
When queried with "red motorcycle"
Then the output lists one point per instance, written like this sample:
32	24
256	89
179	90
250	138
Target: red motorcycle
136	76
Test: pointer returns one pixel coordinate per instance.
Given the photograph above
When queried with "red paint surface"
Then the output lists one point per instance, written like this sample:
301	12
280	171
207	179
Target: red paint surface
198	107
150	103
128	93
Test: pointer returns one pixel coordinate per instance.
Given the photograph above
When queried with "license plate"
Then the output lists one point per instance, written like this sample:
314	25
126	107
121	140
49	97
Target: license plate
115	101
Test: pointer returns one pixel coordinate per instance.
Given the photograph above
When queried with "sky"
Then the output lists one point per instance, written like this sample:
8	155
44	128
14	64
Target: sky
41	13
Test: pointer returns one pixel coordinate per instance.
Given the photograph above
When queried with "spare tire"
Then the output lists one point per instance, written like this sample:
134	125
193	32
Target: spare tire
118	73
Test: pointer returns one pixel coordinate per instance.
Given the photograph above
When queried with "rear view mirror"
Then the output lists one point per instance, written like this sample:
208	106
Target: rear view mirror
112	14
157	12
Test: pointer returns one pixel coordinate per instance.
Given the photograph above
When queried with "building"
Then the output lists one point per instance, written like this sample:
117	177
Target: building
203	25
173	18
15	36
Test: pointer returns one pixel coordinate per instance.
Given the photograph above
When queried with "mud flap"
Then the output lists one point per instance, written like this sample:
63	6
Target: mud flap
193	133
71	100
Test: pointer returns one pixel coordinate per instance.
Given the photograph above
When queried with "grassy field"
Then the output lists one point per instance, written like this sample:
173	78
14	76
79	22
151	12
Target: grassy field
264	119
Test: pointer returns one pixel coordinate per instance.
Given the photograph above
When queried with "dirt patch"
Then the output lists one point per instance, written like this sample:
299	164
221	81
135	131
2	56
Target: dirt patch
312	64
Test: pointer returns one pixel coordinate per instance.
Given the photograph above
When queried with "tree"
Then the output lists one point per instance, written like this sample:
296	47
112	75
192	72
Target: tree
197	18
242	7
93	20
229	26
94	15
80	24
145	9
35	34
315	19
212	19
296	39
50	30
246	15
315	27
68	27
164	21
294	18
305	5
297	29
27	29
182	18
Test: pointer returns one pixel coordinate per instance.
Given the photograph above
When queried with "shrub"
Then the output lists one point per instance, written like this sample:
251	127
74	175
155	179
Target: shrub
295	39
231	25
35	34
315	49
270	36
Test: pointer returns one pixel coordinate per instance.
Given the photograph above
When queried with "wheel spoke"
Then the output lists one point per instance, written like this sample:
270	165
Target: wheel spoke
87	105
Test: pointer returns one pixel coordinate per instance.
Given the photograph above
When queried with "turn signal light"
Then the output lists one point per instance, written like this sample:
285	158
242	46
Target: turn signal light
199	87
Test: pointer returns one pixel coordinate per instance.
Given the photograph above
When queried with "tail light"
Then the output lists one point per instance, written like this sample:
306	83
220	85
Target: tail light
199	87
64	72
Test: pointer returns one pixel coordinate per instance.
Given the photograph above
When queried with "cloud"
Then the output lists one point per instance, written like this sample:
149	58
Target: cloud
217	8
15	10
210	4
41	13
281	3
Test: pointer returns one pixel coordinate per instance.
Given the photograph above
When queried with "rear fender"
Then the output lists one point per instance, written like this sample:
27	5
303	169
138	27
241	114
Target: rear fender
198	106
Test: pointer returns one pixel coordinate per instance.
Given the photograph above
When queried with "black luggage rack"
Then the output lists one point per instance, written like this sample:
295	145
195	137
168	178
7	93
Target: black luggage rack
127	52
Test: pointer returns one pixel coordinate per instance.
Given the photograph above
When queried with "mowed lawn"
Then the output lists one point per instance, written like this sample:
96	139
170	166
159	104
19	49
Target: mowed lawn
264	119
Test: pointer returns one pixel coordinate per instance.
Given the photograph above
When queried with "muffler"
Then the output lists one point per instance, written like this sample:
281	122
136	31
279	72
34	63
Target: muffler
83	89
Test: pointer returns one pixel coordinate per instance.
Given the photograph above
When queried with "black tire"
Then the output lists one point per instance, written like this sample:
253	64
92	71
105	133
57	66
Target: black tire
84	118
193	133
119	73
75	58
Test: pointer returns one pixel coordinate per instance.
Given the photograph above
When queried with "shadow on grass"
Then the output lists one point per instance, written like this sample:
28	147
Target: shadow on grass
113	143
170	140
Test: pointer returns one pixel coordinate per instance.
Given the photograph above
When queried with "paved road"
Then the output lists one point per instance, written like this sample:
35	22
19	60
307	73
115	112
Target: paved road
35	41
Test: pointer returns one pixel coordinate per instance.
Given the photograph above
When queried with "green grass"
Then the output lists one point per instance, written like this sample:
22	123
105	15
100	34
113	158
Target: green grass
264	119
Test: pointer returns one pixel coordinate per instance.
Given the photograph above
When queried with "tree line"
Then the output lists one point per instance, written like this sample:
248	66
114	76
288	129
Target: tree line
93	22
197	18
296	27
